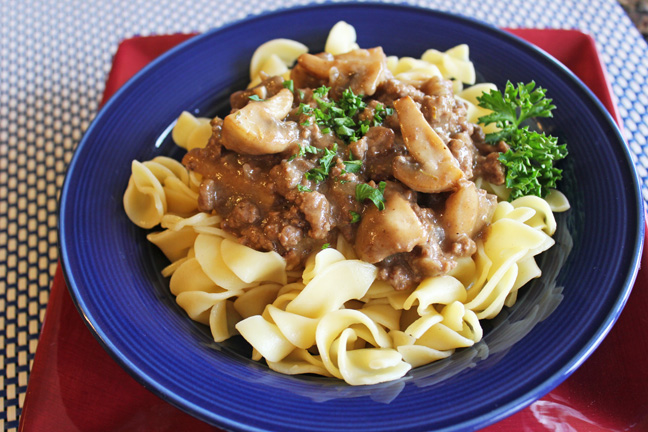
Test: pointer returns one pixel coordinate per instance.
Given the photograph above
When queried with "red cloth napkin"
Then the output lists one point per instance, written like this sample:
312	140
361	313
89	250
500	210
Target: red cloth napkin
76	386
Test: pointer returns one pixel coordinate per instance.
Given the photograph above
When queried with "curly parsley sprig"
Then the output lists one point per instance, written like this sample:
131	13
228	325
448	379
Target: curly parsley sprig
513	107
531	156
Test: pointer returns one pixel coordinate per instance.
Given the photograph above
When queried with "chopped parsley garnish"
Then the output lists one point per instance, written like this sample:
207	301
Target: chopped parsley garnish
304	109
329	154
318	174
355	217
321	91
364	191
322	171
342	117
326	246
303	150
289	84
352	166
529	161
256	98
351	103
380	112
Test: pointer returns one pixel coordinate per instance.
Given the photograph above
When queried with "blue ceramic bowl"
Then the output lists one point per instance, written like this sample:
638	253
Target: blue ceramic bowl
113	273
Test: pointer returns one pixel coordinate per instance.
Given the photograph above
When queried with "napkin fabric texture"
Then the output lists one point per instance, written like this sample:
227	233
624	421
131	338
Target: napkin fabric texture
76	386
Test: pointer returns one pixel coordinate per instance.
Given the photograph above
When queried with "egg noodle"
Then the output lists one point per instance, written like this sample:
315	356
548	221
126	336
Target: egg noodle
335	318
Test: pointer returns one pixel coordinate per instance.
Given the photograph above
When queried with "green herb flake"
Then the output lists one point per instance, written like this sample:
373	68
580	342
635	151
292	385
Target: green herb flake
305	150
304	109
321	173
326	246
326	160
344	131
256	98
341	117
302	188
355	217
290	85
352	166
316	174
376	195
321	91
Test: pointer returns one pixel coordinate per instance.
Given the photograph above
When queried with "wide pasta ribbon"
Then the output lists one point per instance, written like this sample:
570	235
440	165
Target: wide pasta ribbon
336	334
334	318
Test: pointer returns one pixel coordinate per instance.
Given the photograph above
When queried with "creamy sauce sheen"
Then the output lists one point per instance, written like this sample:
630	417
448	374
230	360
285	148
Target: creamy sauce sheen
426	152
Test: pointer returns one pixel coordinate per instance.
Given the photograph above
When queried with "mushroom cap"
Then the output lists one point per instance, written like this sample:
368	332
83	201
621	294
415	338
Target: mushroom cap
259	127
434	168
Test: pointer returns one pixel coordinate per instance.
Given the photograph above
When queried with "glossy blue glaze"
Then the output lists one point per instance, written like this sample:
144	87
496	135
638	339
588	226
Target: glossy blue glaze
113	273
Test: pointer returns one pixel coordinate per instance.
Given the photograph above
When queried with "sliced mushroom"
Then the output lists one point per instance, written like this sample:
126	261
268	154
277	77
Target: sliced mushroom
395	229
317	65
258	128
361	70
413	175
435	168
467	210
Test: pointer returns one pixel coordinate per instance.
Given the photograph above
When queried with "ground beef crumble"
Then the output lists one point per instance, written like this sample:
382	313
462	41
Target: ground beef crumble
269	202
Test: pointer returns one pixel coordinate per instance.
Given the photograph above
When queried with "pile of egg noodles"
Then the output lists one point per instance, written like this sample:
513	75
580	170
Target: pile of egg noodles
335	318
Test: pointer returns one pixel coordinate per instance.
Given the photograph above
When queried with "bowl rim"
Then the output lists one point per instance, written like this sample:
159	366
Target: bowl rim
483	420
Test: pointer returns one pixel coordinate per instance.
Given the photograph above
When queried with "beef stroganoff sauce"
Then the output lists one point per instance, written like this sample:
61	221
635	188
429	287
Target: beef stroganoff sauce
344	217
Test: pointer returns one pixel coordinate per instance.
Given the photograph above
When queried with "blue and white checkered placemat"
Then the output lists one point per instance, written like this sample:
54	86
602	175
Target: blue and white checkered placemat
54	59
